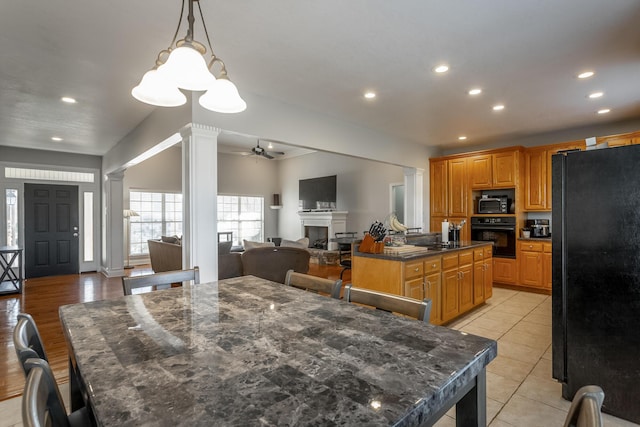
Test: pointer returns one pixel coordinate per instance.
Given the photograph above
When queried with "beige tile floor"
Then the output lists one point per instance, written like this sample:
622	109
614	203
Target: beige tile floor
520	390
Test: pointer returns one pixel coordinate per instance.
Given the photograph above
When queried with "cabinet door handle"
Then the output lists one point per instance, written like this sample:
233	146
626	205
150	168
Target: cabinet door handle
424	290
417	269
433	266
530	246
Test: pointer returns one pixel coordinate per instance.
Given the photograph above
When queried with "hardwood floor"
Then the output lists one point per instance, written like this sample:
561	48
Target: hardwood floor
42	297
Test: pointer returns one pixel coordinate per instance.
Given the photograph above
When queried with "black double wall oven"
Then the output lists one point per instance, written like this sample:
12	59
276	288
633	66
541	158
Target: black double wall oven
500	230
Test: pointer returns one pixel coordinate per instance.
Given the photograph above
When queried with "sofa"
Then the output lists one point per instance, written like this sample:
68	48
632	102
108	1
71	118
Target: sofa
269	263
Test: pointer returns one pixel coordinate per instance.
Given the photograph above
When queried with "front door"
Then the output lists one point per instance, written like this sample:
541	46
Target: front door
51	230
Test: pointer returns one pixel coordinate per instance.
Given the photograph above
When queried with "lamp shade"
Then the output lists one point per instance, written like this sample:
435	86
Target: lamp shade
187	69
155	90
223	97
128	213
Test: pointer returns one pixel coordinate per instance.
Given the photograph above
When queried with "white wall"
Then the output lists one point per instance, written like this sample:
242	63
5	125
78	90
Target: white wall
162	172
251	176
363	188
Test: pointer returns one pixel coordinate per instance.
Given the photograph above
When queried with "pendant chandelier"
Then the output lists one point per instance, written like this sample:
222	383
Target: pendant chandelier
183	66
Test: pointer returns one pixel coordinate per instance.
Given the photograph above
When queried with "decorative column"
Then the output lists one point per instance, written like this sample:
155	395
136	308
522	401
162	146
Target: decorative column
414	198
200	195
113	237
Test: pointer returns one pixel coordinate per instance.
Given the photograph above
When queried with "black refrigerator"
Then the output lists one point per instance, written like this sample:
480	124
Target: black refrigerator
596	275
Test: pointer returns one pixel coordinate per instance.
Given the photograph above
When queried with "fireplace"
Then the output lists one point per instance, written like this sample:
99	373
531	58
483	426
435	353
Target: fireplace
318	236
318	226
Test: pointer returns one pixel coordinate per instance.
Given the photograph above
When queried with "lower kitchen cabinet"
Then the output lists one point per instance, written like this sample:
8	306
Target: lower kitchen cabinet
505	271
482	275
546	265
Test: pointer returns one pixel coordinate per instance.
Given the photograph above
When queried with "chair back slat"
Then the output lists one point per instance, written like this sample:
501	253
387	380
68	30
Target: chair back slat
27	341
420	310
317	284
158	279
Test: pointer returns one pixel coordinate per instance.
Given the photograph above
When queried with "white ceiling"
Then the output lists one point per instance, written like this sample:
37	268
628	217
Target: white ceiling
322	56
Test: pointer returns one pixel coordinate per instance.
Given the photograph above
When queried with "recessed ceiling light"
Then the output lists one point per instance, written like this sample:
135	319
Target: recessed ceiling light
441	68
604	111
462	138
596	95
498	107
68	100
270	146
475	91
369	95
56	138
586	75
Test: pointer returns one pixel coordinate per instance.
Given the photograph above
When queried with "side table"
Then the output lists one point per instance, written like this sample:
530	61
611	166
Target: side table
10	282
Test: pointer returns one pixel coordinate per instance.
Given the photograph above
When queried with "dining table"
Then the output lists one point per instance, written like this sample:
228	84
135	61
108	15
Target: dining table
250	352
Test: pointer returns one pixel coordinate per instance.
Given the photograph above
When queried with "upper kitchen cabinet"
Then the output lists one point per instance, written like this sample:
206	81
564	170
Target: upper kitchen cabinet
497	170
620	140
537	163
448	187
458	189
438	188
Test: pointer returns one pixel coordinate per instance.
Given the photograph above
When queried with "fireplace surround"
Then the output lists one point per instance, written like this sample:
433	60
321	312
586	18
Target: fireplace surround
313	224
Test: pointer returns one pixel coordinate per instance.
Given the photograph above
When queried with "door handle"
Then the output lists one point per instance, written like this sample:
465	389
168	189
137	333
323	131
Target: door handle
75	234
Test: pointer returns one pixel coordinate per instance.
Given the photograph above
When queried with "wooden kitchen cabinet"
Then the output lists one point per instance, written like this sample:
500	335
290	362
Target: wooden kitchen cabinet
488	272
466	282
438	193
530	259
457	187
497	170
546	266
422	280
480	168
505	169
482	274
457	284
535	194
620	140
505	271
537	163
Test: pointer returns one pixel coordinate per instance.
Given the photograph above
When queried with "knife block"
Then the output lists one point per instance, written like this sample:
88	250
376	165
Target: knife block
370	246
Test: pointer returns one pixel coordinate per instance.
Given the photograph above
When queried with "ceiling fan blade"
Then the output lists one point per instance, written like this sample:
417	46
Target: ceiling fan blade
266	155
276	153
243	153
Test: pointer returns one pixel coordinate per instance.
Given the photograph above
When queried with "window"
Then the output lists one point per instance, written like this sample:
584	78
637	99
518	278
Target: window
88	226
11	200
243	216
160	214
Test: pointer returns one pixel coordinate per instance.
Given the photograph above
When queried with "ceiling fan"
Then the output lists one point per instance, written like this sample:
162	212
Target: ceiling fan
259	151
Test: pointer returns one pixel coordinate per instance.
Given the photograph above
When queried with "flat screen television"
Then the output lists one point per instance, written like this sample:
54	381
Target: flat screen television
317	194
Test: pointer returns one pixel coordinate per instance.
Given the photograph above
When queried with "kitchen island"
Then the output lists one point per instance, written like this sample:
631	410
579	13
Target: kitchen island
456	278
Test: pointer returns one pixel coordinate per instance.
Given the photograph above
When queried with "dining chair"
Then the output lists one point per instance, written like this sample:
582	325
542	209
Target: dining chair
159	279
314	283
420	310
42	403
344	249
585	408
27	341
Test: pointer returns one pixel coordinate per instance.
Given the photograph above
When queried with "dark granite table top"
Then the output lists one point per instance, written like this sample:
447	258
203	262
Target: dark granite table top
246	351
432	250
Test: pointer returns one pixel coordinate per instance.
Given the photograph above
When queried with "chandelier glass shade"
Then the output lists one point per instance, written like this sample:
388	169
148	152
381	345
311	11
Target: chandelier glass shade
183	66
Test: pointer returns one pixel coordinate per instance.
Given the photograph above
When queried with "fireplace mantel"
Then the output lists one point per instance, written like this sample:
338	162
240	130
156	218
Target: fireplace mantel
335	221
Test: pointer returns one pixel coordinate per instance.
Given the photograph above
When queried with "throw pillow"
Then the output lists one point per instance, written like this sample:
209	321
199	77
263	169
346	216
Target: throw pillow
224	247
170	239
300	243
248	244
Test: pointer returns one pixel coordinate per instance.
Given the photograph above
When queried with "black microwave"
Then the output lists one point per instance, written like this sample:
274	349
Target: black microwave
493	205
